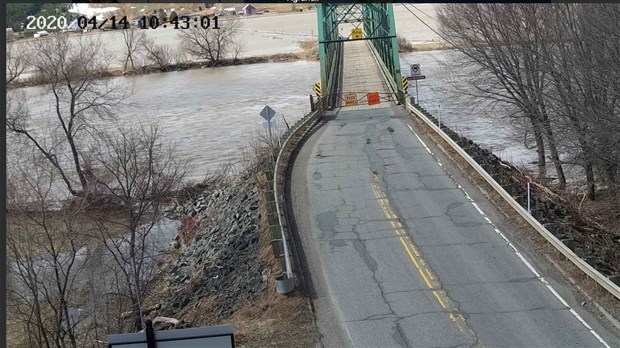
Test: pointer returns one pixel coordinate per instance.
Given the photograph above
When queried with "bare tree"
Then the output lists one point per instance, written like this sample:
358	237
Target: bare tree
499	40
237	48
592	74
138	170
16	61
159	55
44	266
212	44
133	41
72	67
558	66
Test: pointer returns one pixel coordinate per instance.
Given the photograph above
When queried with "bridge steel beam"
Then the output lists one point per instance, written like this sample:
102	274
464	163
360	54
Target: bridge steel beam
379	29
328	34
379	22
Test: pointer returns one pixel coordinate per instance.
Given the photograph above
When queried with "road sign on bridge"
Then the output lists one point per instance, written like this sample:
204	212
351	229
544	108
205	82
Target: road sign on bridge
350	99
415	70
373	98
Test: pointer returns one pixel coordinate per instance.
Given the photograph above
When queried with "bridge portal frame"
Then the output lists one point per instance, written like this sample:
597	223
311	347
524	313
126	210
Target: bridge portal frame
377	21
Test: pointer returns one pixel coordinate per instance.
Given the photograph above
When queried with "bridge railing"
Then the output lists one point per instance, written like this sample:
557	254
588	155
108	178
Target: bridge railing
387	75
335	76
280	227
552	239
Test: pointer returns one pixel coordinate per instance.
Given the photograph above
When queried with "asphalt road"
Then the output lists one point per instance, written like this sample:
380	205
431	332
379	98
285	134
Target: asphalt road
398	255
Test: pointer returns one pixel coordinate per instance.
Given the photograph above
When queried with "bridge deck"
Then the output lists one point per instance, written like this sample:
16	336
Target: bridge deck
398	254
362	75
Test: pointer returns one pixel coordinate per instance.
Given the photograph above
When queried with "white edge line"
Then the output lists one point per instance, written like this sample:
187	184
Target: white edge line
539	277
477	208
426	147
522	258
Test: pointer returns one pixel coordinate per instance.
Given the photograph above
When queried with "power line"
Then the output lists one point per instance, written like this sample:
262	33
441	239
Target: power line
428	26
427	15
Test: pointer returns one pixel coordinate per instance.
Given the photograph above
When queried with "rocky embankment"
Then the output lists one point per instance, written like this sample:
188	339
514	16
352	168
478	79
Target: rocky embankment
215	268
587	238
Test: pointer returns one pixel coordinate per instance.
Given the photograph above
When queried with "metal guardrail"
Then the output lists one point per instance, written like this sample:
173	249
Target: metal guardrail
568	253
284	156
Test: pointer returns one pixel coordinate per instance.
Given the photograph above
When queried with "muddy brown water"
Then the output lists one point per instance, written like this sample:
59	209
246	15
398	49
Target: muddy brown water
212	114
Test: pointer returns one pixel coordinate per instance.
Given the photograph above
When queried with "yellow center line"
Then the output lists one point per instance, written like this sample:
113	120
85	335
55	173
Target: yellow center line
439	299
418	261
415	263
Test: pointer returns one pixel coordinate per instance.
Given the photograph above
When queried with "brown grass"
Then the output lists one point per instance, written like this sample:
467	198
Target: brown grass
431	46
188	229
311	50
274	320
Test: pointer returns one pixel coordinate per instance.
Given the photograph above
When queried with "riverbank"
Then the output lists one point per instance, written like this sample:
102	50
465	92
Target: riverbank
309	53
222	269
149	69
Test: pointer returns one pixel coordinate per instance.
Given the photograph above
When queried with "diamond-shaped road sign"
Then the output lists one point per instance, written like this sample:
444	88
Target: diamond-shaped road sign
267	113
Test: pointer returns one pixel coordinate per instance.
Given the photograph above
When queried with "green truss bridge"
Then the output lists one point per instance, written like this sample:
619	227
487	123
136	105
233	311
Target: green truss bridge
363	35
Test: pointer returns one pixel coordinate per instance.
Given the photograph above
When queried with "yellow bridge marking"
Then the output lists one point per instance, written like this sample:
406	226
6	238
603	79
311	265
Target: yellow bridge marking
420	264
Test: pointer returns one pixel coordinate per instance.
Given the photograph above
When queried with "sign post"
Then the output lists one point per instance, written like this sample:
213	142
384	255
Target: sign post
416	74
415	70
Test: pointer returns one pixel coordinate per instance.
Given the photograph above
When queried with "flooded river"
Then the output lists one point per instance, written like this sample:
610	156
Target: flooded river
213	114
